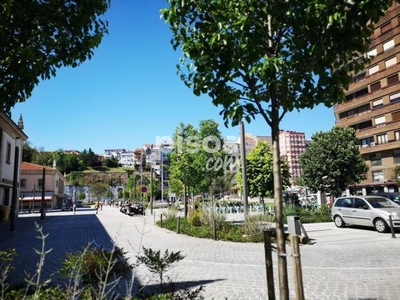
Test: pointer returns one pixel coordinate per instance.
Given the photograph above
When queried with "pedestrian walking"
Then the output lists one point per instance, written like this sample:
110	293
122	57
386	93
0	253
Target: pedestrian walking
74	208
96	208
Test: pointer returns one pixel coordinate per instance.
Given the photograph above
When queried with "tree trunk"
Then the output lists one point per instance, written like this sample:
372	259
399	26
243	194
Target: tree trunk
280	233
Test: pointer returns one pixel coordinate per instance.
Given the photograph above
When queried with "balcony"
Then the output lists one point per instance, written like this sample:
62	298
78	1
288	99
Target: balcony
372	147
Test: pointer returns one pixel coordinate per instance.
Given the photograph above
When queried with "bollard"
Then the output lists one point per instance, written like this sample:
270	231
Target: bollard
298	276
154	217
215	229
269	265
391	227
178	225
161	220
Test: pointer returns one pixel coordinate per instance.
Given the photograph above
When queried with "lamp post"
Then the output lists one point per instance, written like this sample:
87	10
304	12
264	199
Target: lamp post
151	189
162	172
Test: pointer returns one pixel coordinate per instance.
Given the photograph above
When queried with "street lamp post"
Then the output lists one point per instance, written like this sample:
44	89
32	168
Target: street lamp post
151	190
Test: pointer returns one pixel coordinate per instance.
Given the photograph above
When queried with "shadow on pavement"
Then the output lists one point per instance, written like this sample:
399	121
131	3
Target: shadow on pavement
156	289
65	233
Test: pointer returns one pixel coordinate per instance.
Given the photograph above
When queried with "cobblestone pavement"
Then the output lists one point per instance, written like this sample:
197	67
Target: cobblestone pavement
348	263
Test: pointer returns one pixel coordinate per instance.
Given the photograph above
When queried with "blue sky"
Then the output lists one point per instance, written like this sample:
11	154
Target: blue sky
129	92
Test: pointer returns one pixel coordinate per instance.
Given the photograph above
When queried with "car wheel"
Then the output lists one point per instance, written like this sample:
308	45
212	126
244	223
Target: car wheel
381	226
127	212
339	222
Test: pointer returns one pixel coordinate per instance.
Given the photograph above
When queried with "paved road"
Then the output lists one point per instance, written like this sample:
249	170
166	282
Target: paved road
349	263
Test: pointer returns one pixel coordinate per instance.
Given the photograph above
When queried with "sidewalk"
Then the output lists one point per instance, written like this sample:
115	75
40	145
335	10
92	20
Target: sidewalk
341	263
65	232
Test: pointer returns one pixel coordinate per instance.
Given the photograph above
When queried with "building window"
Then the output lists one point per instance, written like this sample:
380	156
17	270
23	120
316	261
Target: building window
367	142
394	98
376	159
8	153
391	62
376	86
22	183
377	176
396	116
359	77
372	53
386	27
380	120
373	69
393	79
396	156
397	135
382	138
388	45
40	183
377	103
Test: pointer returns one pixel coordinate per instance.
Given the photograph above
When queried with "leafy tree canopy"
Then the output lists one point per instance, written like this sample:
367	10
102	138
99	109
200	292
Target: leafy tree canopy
37	37
333	161
244	54
260	175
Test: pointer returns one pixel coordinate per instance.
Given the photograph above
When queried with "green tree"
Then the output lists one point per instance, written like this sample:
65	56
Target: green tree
42	157
210	155
89	158
333	161
81	196
184	163
60	157
98	190
396	174
111	162
260	175
28	152
38	37
270	57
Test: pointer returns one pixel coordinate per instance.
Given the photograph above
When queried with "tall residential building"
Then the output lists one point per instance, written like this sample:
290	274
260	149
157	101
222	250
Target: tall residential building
372	106
292	144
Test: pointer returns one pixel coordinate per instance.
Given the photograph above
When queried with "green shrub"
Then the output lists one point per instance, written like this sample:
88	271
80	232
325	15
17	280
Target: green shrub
314	215
91	265
194	218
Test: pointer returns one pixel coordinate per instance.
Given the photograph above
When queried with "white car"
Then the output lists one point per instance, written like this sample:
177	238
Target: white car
372	211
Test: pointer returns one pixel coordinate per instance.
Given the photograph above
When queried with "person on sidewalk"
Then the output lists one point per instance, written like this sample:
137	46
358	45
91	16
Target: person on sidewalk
96	208
74	208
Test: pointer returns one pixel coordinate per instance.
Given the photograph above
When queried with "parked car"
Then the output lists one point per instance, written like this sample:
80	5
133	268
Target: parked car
392	196
123	207
135	209
373	211
66	205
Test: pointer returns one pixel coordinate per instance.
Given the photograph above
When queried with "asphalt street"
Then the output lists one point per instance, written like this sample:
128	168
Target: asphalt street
339	263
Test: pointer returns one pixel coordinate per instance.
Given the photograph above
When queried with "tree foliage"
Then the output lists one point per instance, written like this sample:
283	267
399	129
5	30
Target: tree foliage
269	57
98	190
260	175
197	157
333	161
40	36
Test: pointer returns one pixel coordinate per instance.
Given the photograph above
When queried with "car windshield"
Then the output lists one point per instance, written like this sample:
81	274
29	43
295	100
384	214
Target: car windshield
380	203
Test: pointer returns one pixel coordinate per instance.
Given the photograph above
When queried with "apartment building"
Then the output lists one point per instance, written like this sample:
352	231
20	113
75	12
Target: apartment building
372	106
291	145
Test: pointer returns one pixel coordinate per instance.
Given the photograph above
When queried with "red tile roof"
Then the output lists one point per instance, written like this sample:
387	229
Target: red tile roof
25	166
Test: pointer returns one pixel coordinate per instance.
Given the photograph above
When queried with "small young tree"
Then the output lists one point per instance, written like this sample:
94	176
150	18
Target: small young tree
260	173
159	264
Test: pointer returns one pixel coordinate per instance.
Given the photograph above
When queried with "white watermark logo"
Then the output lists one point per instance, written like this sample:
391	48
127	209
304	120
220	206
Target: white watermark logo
210	144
